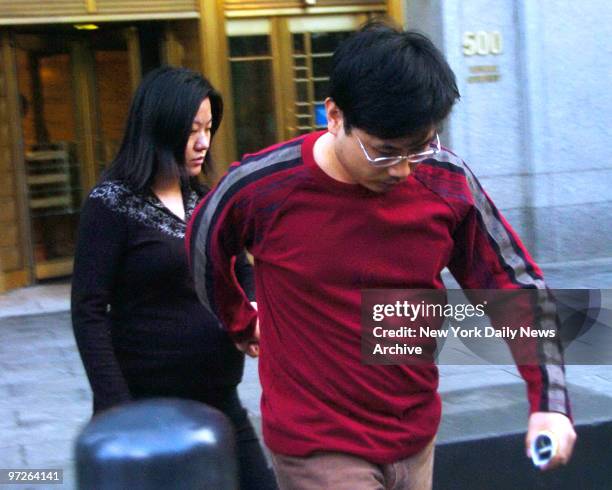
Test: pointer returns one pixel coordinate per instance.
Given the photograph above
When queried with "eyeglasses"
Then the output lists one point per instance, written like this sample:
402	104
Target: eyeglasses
382	162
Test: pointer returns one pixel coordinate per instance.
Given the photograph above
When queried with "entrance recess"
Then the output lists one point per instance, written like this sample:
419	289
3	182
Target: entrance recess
74	90
279	69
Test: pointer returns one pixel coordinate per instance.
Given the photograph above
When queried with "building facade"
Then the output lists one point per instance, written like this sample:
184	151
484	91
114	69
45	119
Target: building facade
68	69
533	120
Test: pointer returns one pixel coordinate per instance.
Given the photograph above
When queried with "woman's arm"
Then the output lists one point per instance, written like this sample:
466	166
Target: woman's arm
100	246
244	274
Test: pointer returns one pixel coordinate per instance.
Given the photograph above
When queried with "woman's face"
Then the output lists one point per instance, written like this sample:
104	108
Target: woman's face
199	139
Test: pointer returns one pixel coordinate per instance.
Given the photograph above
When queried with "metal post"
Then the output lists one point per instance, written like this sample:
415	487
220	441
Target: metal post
157	444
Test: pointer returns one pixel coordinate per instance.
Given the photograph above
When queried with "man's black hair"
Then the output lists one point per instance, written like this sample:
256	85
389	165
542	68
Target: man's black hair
158	127
391	83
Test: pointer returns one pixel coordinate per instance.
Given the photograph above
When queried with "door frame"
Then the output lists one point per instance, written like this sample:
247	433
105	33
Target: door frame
86	113
216	64
25	275
279	30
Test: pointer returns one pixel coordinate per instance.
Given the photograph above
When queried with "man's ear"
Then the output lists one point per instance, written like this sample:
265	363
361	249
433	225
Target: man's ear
335	118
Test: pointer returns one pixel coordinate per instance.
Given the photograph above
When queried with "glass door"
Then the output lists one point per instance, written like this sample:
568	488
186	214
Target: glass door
74	91
252	71
51	163
280	72
111	66
313	42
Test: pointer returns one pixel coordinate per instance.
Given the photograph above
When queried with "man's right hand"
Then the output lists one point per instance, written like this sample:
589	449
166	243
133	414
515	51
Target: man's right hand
561	427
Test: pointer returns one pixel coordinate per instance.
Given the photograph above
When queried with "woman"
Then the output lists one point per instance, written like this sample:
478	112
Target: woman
139	326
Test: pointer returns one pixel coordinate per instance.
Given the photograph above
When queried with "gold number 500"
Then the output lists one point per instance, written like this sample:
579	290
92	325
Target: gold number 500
482	43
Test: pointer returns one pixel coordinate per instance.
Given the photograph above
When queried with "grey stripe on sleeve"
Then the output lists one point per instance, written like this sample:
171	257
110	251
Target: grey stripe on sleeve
232	179
553	362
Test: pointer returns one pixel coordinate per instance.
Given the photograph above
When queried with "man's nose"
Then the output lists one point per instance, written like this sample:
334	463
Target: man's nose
401	170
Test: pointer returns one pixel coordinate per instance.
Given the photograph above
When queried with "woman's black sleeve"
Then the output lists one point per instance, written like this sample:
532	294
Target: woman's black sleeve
244	273
100	246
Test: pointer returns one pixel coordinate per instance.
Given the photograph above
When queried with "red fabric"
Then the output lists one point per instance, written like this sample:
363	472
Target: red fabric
317	243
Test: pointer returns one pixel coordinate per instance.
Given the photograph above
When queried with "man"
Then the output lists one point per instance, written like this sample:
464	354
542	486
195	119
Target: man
373	202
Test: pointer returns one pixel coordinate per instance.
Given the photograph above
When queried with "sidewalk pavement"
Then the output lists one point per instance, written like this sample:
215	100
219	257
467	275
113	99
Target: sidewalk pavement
45	399
35	300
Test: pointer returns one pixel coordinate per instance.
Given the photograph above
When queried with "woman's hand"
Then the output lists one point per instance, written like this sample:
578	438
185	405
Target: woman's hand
251	346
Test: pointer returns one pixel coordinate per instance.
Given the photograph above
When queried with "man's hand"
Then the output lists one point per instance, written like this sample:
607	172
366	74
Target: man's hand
561	427
251	346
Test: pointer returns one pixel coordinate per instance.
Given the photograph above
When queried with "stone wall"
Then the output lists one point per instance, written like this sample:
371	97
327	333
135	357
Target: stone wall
533	120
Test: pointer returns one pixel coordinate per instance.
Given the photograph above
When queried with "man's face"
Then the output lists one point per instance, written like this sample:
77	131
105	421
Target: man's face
352	161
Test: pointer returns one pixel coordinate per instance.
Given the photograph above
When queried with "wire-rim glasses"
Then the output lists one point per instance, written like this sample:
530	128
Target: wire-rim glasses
382	162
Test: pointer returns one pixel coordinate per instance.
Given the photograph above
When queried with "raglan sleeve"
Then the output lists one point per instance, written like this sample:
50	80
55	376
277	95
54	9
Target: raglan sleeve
100	246
489	255
218	232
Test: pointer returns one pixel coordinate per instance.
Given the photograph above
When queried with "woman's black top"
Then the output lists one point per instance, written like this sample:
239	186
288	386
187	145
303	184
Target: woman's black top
139	326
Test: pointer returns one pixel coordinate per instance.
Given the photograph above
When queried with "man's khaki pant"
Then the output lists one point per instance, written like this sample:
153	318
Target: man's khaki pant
339	471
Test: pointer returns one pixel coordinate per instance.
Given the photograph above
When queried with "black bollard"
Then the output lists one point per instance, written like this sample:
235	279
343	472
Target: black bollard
155	444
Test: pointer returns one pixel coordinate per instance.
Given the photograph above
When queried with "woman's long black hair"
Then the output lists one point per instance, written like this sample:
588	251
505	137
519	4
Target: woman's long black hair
158	127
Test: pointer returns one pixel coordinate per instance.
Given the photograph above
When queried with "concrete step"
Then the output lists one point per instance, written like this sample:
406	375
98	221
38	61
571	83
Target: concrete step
481	442
498	462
